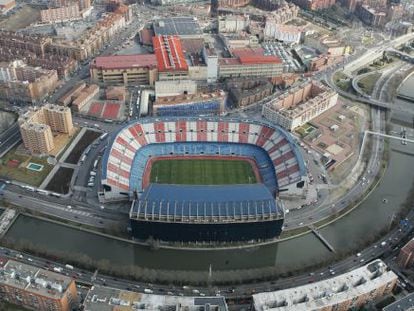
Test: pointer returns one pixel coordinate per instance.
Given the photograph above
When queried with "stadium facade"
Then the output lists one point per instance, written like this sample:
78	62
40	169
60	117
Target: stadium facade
202	212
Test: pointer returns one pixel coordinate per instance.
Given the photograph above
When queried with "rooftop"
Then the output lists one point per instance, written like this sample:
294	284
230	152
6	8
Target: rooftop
124	61
102	298
327	292
180	26
255	56
34	280
169	53
206	201
185	98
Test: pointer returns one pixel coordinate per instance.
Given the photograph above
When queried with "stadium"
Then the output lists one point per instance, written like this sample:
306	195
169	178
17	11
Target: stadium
202	179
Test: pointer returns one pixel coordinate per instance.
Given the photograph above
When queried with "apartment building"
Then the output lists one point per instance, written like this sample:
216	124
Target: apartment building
314	4
92	40
22	83
300	104
35	288
138	69
283	14
18	41
349	291
37	127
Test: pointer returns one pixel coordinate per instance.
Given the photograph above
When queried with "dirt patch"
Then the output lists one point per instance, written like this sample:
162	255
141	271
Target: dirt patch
21	19
87	138
61	180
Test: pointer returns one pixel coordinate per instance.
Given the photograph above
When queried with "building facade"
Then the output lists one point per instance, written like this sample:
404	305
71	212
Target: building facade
84	97
349	291
405	257
300	105
36	289
140	69
190	104
245	92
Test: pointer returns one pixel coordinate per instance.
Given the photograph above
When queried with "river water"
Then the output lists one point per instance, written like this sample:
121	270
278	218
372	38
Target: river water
367	220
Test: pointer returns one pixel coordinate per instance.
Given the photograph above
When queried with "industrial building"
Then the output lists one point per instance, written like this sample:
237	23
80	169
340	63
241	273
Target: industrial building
100	298
185	27
250	63
36	289
37	125
133	69
20	82
190	104
171	62
348	291
300	104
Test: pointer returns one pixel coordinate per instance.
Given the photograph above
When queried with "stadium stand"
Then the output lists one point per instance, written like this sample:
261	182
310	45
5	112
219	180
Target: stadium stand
189	213
273	149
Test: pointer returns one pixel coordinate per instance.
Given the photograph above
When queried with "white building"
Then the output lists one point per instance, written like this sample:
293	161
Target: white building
344	292
211	60
232	23
175	88
285	33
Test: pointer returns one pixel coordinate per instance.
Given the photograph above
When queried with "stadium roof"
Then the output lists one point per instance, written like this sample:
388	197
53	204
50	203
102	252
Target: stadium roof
125	61
205	202
180	26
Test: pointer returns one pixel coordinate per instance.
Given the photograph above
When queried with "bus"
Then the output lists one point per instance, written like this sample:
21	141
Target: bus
102	137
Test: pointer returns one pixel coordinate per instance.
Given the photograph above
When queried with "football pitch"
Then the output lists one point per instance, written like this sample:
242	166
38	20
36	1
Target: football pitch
202	172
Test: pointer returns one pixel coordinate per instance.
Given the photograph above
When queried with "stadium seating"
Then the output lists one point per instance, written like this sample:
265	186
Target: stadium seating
278	159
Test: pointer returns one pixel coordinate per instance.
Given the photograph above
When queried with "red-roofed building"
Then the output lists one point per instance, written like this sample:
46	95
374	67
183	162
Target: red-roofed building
170	57
250	62
125	69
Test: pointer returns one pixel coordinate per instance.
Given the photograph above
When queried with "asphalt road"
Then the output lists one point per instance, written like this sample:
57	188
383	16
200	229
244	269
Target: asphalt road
9	138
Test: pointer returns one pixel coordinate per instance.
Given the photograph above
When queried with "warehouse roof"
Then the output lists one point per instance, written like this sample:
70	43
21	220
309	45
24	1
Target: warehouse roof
180	26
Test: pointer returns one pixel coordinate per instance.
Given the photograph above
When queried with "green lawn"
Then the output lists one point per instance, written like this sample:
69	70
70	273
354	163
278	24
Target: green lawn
202	172
21	173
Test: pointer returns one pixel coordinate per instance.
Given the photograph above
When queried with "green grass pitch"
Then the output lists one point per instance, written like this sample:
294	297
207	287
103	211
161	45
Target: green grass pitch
202	172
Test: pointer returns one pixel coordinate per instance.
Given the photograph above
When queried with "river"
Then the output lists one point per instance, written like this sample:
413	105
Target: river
368	219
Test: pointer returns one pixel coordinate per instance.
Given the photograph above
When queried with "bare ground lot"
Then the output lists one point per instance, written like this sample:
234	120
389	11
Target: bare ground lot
61	180
21	19
87	138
